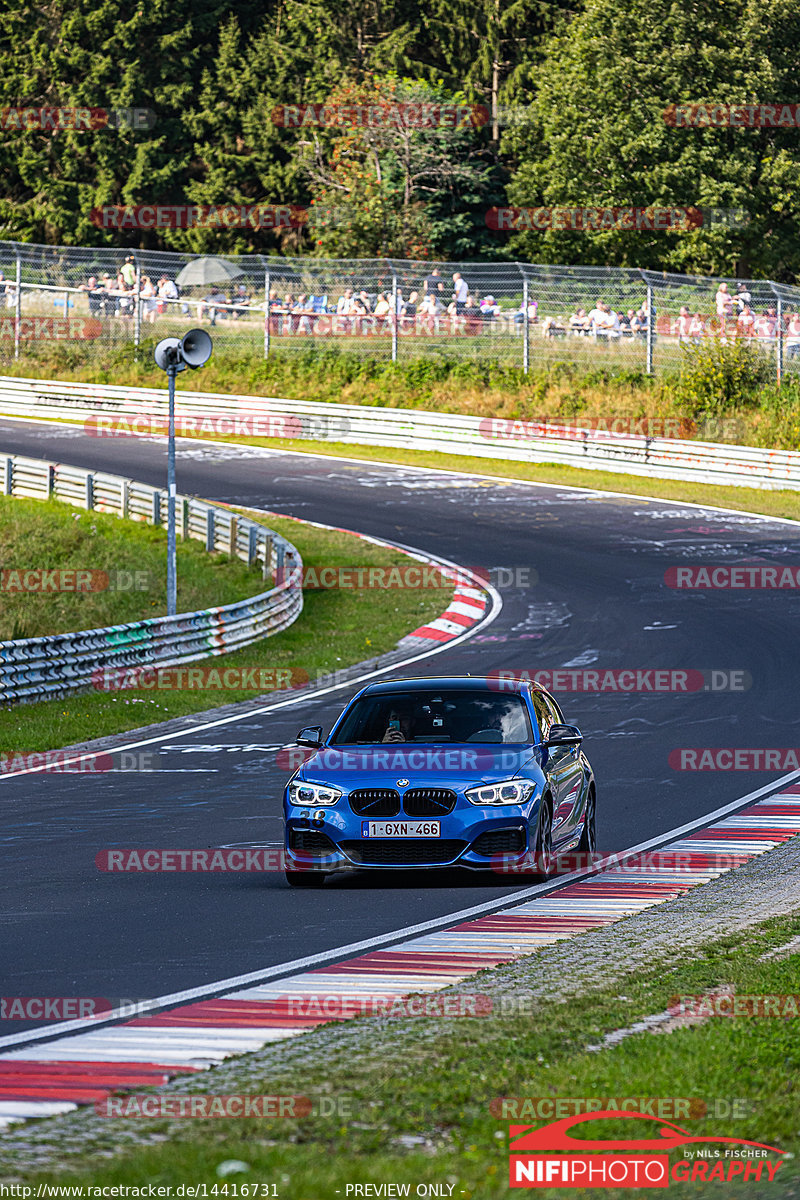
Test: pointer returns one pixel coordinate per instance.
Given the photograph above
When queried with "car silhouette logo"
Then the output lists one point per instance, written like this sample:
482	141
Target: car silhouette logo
402	782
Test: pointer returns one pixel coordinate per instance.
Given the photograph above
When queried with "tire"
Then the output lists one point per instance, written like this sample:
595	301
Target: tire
588	842
305	879
544	844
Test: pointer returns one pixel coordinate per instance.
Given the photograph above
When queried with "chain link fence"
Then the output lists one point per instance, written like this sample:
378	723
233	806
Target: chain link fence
523	315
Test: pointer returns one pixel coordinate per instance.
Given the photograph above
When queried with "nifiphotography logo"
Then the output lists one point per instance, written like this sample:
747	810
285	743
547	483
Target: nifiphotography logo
638	1162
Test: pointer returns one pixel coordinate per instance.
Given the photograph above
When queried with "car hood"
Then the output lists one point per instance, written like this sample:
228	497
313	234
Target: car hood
450	765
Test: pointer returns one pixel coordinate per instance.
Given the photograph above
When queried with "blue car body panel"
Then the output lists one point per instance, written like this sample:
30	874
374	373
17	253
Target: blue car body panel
419	774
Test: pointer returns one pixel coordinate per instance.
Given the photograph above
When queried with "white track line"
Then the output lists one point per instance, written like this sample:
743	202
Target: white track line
299	965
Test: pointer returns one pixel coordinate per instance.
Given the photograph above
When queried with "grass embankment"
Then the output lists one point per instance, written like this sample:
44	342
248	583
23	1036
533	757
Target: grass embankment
336	628
438	1079
352	380
724	393
127	564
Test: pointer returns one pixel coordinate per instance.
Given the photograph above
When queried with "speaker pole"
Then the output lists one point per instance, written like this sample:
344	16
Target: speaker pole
193	350
172	562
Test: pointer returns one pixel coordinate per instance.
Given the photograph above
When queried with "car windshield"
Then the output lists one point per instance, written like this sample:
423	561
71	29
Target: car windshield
435	716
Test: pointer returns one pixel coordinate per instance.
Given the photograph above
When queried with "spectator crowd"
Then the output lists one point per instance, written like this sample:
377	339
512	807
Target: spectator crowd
434	305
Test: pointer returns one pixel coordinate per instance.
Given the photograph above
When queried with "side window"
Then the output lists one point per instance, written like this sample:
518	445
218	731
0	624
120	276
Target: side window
543	716
556	717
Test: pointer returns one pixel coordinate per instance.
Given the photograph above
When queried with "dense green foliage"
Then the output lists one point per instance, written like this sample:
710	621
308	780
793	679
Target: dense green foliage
587	86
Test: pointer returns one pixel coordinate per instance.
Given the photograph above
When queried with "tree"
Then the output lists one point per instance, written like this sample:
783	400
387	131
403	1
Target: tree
396	186
105	55
599	136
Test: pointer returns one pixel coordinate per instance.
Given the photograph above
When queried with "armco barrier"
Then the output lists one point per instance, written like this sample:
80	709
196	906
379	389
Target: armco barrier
49	667
662	458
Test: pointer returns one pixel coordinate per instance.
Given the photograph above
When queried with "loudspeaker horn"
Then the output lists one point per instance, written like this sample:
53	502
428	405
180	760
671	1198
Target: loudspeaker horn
196	346
167	352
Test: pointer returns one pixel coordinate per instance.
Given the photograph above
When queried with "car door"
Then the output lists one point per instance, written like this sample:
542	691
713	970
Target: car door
563	767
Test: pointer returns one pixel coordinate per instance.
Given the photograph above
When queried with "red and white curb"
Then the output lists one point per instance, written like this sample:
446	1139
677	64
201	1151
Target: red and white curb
467	607
81	1068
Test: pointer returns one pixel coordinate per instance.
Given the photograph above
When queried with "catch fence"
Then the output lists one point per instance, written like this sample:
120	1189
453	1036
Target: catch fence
95	300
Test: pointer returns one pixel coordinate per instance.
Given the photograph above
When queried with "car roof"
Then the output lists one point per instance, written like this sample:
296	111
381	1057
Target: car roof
446	683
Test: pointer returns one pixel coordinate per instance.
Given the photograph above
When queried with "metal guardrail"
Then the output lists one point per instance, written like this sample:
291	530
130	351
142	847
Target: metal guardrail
410	429
50	667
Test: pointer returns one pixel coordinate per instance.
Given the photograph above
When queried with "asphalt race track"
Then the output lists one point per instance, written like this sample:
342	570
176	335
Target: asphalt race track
599	600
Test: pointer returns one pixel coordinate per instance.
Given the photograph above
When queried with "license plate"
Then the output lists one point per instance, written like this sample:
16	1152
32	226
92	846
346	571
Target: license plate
401	829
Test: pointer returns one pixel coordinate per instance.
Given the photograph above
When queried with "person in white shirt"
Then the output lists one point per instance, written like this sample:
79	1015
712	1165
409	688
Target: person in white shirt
603	321
431	306
167	291
429	312
684	325
579	322
344	304
148	295
460	293
696	328
597	317
612	322
724	304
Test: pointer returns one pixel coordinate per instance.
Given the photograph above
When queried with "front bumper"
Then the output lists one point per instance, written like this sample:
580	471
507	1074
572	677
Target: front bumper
477	838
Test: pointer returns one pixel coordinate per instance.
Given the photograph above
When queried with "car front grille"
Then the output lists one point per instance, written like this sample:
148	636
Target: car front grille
387	852
500	841
375	802
429	802
310	841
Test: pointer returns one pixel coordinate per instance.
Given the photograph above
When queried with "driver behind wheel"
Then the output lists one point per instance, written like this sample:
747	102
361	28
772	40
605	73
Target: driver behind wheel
401	720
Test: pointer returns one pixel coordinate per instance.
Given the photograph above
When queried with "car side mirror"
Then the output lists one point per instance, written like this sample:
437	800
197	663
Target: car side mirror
310	737
564	735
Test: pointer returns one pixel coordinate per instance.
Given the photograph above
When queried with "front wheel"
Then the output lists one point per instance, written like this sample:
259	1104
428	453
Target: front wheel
312	879
544	844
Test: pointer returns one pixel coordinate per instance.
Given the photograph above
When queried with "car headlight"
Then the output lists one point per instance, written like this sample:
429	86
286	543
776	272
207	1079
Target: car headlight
313	793
508	791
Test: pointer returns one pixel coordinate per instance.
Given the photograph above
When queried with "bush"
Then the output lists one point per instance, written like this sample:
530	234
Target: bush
719	376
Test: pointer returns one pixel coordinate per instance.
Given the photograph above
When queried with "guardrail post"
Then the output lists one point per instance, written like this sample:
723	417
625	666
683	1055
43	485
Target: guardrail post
156	506
184	517
779	361
267	564
89	491
232	536
252	545
526	328
280	554
51	479
395	319
210	530
651	329
18	305
8	478
123	498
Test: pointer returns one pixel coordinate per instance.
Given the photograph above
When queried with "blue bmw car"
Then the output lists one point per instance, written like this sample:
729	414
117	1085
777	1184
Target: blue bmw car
440	772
